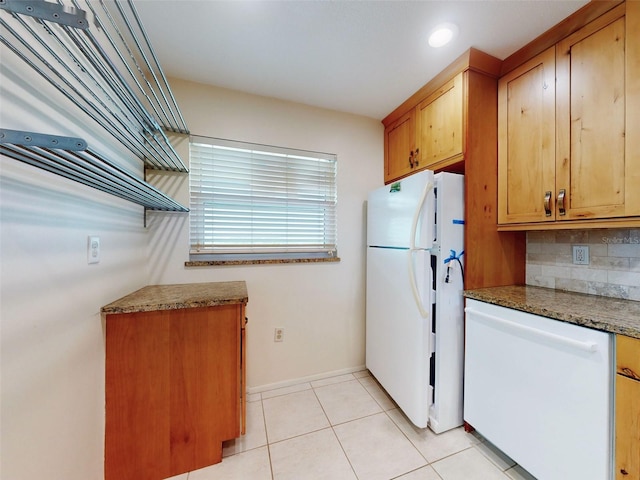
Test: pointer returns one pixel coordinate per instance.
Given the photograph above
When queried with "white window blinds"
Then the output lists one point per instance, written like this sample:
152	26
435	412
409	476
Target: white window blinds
262	201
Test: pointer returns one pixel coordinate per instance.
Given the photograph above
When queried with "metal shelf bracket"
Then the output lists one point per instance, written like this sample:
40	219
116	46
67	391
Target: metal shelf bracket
19	137
52	12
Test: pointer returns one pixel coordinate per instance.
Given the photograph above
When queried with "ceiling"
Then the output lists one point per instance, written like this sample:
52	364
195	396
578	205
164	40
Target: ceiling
363	57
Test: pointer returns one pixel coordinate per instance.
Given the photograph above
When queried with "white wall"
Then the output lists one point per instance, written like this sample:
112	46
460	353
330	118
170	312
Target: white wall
51	334
321	306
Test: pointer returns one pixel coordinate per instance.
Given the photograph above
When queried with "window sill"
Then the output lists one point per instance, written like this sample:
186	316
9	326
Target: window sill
272	261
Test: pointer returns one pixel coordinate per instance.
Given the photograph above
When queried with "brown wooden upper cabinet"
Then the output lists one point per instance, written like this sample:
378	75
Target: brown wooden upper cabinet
569	130
400	147
526	141
431	128
440	119
428	136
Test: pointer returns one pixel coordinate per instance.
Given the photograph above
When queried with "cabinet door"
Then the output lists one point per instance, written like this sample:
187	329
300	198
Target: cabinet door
205	384
399	142
440	126
137	386
627	428
627	408
594	168
526	141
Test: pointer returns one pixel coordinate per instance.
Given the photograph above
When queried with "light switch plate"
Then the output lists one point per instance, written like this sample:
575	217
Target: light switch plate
93	249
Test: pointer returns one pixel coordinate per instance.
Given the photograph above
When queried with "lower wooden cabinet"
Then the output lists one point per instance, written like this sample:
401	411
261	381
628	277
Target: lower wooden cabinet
174	383
627	464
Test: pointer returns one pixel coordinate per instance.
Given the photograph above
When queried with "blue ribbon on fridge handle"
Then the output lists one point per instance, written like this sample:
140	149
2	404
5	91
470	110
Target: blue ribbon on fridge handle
454	256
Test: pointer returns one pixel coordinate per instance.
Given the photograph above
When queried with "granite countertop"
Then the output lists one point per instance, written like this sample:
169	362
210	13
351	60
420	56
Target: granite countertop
611	315
173	297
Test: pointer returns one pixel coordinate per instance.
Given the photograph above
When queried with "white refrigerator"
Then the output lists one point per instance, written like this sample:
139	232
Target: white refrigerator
414	301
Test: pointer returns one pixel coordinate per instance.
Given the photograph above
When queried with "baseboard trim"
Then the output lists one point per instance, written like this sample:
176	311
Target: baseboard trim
310	378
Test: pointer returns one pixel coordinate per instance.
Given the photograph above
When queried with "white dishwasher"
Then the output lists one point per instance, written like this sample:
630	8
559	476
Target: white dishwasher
541	391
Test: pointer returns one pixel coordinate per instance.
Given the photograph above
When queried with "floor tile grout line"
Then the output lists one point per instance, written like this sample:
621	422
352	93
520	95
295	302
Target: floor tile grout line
407	437
333	431
355	474
266	437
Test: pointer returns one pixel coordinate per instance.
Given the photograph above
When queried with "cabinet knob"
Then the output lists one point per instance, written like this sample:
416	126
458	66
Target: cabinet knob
561	208
547	204
623	471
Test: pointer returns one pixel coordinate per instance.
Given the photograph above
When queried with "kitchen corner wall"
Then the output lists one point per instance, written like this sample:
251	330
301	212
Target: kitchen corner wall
320	305
614	264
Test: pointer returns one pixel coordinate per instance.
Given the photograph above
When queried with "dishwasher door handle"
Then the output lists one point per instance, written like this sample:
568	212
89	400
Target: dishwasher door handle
569	342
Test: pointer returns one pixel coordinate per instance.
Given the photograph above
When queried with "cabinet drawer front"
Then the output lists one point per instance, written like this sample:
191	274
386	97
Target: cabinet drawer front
628	356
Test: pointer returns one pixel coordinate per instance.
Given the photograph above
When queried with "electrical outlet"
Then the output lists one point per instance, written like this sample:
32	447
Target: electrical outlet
93	250
278	334
581	255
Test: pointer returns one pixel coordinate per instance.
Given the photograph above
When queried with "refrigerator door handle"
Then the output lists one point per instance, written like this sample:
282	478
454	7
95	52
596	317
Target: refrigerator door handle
412	248
414	284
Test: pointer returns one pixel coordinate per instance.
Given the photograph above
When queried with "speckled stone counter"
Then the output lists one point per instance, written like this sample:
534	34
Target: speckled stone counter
611	315
172	297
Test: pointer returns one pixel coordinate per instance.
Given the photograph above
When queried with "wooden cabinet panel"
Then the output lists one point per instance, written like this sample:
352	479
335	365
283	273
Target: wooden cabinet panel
492	258
400	147
628	357
137	413
526	141
591	104
440	126
204	399
174	382
627	428
627	465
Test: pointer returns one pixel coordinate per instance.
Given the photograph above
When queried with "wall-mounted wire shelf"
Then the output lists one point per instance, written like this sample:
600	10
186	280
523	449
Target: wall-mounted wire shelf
98	55
71	158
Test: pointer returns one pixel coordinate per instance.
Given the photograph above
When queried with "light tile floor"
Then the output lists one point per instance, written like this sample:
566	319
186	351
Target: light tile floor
347	428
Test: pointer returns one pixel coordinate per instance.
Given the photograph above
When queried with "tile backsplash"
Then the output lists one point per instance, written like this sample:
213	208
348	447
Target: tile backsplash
614	261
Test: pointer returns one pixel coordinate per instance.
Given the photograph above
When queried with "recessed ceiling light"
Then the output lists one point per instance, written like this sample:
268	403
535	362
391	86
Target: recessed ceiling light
442	34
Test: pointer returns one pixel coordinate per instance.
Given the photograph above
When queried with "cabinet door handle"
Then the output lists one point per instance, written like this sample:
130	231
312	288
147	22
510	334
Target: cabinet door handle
561	209
417	162
411	158
547	204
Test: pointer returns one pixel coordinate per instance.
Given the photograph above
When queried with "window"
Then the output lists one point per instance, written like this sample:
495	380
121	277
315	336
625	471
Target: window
251	201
